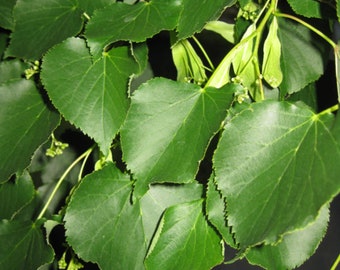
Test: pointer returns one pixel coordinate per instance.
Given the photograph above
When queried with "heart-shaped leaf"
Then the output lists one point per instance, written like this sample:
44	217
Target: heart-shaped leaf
93	96
168	128
270	172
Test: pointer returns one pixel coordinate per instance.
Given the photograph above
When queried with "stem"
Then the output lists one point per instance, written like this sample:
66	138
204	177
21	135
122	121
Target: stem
62	178
204	52
312	28
336	263
330	110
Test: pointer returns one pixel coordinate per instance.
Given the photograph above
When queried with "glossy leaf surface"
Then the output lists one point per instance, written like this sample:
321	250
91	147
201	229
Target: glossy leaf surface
94	96
185	240
168	128
36	20
22	246
270	173
25	123
294	249
101	224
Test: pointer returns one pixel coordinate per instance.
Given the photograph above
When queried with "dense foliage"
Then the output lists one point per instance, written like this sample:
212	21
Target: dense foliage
164	173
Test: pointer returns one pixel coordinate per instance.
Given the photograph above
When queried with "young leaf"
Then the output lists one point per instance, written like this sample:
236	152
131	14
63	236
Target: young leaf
295	247
185	240
101	224
195	15
25	123
118	22
302	62
15	195
271	69
226	30
168	128
23	246
270	173
94	95
35	20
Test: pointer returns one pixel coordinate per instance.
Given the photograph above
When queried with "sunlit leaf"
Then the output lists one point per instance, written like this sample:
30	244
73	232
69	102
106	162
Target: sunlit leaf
185	240
102	225
168	128
23	246
270	172
93	96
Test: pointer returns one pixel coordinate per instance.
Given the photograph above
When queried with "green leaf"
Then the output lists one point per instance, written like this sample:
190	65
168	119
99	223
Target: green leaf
168	128
160	197
14	195
101	224
294	249
25	123
302	62
270	173
36	20
6	16
185	240
310	8
131	22
93	96
89	6
23	246
194	16
271	69
226	30
216	212
11	70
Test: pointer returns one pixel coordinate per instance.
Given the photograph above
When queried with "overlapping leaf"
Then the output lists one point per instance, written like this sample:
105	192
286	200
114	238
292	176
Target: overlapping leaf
22	246
185	240
102	225
40	24
168	128
15	195
25	123
137	22
302	62
294	249
270	172
89	6
160	197
194	16
93	96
